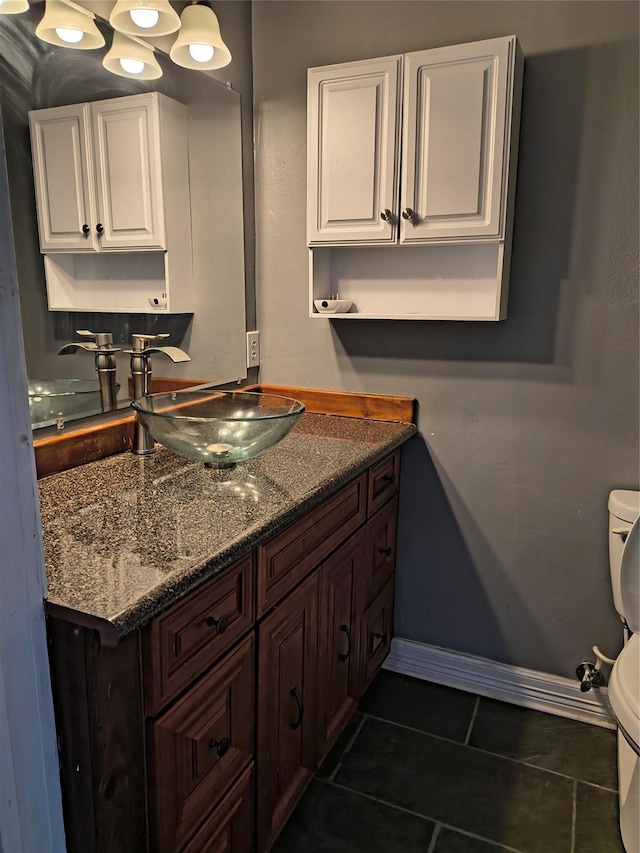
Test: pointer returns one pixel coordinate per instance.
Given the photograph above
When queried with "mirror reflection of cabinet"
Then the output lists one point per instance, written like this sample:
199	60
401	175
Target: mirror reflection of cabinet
113	176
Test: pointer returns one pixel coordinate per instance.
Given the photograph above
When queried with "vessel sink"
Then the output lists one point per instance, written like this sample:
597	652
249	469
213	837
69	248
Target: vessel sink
219	428
51	399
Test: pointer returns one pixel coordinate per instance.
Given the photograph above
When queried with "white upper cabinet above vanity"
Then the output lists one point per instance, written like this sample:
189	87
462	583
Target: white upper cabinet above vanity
112	177
414	150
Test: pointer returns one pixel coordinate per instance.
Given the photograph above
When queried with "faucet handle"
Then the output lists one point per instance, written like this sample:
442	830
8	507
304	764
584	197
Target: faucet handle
102	340
140	341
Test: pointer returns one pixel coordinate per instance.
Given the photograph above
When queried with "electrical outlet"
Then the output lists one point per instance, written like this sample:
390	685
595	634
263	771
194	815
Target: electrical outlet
253	349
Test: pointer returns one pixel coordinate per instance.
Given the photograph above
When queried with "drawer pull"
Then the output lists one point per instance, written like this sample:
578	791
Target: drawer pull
382	637
388	478
298	699
386	551
220	624
347	654
221	746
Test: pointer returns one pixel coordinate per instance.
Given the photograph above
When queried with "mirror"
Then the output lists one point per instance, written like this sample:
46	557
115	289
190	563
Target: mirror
34	75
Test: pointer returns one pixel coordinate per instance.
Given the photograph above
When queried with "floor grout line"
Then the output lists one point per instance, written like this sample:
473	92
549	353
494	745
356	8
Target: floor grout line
472	720
574	810
488	752
347	749
439	824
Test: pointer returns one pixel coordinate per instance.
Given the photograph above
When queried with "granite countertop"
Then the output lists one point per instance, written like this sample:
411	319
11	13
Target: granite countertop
127	536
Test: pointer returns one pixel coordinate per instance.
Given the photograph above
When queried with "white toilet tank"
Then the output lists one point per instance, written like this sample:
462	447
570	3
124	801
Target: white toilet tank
624	508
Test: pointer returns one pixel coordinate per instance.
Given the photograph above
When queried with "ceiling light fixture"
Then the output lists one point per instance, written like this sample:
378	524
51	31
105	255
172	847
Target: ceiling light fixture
67	25
130	57
144	18
199	43
13	7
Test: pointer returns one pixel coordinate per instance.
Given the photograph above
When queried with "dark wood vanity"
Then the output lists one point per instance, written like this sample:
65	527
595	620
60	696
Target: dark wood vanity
201	730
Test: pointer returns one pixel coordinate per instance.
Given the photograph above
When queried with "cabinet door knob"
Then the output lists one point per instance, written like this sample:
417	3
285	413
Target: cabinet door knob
386	215
386	551
347	654
221	746
220	624
99	227
408	213
382	637
86	230
298	699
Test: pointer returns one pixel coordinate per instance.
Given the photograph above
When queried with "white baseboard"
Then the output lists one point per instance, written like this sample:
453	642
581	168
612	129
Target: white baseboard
538	690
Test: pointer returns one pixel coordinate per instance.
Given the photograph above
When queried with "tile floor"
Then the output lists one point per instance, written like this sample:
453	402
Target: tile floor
427	769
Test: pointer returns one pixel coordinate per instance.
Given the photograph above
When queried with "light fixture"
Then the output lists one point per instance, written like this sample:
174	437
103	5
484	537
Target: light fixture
144	18
199	43
67	25
130	57
13	7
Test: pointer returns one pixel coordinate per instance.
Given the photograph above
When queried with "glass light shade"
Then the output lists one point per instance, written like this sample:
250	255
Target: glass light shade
13	7
129	54
63	16
199	26
127	15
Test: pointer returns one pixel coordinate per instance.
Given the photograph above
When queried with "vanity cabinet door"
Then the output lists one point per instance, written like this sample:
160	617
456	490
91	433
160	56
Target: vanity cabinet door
230	828
338	639
353	124
287	699
127	157
63	177
380	561
376	633
456	126
199	747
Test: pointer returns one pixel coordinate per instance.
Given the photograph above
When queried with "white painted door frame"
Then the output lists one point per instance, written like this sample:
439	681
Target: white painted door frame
30	801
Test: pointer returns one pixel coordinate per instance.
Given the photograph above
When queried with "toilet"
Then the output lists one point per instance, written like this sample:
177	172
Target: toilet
624	681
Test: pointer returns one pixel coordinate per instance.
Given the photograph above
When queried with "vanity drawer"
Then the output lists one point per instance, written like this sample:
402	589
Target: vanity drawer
229	829
288	557
384	481
376	633
199	747
380	561
181	643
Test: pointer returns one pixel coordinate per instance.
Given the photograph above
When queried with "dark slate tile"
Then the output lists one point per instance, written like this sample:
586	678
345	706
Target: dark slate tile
331	820
493	797
597	826
449	841
421	705
339	748
576	749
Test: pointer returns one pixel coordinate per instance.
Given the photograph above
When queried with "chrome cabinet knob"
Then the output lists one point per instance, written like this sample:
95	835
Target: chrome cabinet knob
386	215
408	213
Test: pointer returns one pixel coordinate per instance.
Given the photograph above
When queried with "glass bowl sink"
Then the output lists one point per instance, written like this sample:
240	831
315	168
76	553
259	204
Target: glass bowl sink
219	428
51	399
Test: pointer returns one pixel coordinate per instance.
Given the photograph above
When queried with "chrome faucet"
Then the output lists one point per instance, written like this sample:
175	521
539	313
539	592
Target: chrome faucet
141	353
105	357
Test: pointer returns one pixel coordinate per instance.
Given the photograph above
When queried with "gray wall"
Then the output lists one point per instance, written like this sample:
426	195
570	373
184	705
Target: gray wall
525	425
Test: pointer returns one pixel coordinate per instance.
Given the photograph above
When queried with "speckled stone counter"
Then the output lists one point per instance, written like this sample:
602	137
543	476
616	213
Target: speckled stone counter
127	536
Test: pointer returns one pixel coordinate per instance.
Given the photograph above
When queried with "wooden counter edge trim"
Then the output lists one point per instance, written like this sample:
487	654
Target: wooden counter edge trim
347	403
89	443
106	630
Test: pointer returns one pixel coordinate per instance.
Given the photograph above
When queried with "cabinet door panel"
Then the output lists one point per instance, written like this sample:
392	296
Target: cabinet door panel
199	746
338	638
376	635
455	141
63	178
353	132
380	561
287	668
229	829
127	164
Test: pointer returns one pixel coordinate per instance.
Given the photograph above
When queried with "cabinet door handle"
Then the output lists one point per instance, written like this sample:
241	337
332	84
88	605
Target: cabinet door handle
221	746
382	637
386	215
99	227
220	624
347	654
298	699
386	551
388	478
408	213
86	230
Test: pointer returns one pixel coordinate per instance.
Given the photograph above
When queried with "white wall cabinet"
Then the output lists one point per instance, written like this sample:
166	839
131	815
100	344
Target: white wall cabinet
415	150
112	177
